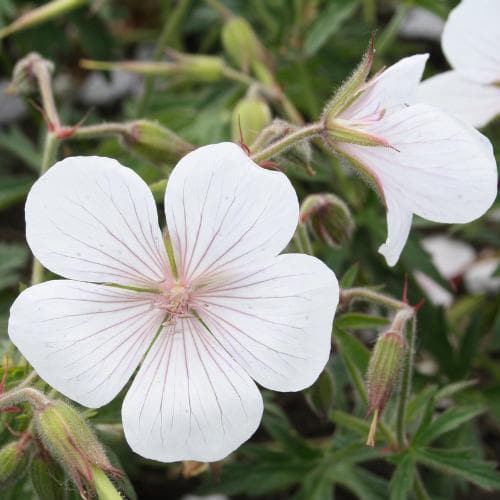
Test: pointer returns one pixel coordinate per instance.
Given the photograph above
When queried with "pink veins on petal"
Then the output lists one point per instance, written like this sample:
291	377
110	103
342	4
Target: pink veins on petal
233	313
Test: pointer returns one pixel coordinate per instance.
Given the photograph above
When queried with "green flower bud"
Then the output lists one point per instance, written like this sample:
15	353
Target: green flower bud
47	478
50	10
14	460
70	440
329	217
151	140
351	89
199	68
242	44
383	375
252	114
24	80
384	368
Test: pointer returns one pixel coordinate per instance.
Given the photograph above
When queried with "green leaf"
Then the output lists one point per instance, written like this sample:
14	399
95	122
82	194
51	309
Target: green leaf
328	23
478	472
350	422
420	401
355	357
351	348
402	478
20	146
360	321
446	422
451	389
12	258
13	189
349	277
321	395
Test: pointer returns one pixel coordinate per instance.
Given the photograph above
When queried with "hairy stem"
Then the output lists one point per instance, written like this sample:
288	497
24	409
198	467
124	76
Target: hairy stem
35	398
406	384
348	295
49	156
280	146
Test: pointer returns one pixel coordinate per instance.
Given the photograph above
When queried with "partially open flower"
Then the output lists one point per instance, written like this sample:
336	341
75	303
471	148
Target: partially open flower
223	310
471	43
419	159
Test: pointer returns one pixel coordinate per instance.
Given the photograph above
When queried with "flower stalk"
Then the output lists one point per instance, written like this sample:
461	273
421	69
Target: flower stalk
292	139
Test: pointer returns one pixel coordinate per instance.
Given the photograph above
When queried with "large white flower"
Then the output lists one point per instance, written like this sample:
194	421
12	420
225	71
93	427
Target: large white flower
471	43
234	310
419	159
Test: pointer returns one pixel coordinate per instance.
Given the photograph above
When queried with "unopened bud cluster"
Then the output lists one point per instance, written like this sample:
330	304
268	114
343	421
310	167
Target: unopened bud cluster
69	439
329	217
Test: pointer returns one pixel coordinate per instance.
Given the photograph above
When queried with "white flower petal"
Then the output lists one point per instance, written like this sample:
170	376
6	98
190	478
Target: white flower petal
223	211
190	400
399	219
471	41
275	320
451	257
474	103
438	295
85	340
480	277
90	219
441	169
392	89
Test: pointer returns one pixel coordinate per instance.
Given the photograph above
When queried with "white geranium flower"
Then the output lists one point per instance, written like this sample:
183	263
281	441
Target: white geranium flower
471	43
451	258
235	310
419	159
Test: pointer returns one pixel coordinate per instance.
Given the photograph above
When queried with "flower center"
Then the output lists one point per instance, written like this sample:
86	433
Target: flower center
174	299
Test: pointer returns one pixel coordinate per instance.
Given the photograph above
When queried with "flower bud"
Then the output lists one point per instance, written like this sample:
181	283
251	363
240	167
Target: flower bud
198	68
351	89
14	460
69	439
24	80
383	374
242	45
47	478
151	140
251	115
329	217
49	10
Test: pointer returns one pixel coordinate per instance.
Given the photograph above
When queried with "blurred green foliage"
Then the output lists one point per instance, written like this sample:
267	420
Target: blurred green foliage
310	446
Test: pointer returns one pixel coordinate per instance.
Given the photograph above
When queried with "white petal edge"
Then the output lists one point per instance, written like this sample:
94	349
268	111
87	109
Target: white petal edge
190	400
399	219
85	340
471	41
223	211
472	102
441	170
91	219
275	319
393	88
